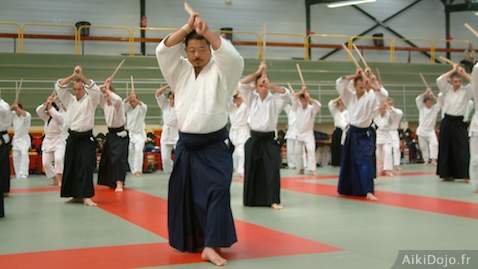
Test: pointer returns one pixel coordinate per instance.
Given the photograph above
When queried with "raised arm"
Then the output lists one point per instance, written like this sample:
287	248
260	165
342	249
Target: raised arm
252	76
161	90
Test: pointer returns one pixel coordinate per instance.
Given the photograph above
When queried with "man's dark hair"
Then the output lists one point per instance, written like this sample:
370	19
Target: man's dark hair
455	75
258	77
360	78
196	36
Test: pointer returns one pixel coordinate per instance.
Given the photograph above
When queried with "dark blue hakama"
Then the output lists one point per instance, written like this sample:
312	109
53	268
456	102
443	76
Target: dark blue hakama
199	210
356	168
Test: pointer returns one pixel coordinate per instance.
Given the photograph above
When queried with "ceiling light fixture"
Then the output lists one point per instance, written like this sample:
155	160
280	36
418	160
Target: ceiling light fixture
348	3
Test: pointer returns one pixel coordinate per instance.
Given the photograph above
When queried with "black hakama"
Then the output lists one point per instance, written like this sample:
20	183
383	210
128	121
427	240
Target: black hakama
199	201
356	168
336	146
114	158
262	170
5	163
454	151
80	161
4	170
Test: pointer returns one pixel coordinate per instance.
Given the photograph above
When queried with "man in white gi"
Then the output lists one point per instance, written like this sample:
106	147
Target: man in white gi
114	158
427	119
80	156
362	96
21	141
383	143
453	153
396	115
199	212
239	131
135	115
474	135
5	145
291	136
53	145
262	149
341	122
306	108
169	134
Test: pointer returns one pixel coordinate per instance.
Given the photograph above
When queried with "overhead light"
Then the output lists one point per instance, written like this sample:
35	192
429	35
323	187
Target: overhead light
348	3
476	13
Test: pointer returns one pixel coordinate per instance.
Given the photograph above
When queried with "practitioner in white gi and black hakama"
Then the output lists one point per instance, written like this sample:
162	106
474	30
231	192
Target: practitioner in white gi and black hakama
262	149
199	211
114	158
5	146
453	152
80	157
341	123
357	169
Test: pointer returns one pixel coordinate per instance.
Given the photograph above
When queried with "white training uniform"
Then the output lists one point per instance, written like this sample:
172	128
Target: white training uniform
427	137
263	115
291	136
169	134
395	118
474	134
137	135
78	112
53	145
114	113
200	113
341	119
360	111
239	133
305	136
383	149
5	119
21	144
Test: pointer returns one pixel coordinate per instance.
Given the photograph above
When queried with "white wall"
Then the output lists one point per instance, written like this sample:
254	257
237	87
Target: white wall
425	20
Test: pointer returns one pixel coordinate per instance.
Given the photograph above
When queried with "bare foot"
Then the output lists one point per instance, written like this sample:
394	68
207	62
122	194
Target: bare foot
398	168
371	197
466	180
426	163
448	179
6	194
119	186
210	254
277	206
389	174
301	172
475	191
434	162
89	202
314	173
241	175
75	200
292	167
138	174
